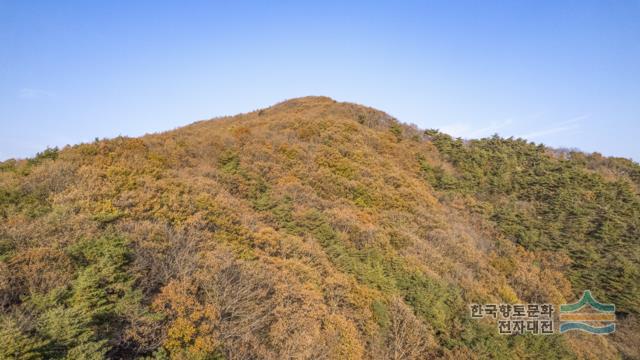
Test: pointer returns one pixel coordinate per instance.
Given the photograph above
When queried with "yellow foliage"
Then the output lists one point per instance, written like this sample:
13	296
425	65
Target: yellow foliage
191	329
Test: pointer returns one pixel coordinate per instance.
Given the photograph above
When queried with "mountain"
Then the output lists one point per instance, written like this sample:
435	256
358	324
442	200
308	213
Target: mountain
312	229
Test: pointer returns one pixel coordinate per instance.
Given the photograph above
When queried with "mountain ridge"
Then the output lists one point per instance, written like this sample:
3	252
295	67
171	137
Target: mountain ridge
350	234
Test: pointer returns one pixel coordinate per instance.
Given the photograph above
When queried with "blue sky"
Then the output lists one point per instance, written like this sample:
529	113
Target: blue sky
565	73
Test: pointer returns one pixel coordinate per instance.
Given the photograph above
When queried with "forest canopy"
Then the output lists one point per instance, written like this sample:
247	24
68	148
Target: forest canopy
312	229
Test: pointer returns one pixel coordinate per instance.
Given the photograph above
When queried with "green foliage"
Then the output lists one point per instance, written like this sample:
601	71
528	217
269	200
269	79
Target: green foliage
82	320
15	344
362	197
31	203
47	154
483	340
384	270
396	130
544	202
106	217
380	313
367	265
71	330
76	322
430	299
229	161
549	347
437	176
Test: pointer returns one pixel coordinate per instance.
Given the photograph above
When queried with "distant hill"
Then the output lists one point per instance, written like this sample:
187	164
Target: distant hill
312	229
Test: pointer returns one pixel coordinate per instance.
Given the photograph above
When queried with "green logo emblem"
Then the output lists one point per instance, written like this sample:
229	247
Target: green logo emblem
600	321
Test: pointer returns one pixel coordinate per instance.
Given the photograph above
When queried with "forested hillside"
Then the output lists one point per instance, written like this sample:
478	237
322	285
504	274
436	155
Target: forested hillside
312	229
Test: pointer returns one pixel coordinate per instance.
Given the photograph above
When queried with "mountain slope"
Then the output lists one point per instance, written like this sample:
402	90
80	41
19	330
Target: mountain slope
311	229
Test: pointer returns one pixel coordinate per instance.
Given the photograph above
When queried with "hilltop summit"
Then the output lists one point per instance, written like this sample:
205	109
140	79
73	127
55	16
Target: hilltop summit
310	229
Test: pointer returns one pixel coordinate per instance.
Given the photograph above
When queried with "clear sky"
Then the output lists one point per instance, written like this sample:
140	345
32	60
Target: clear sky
565	73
